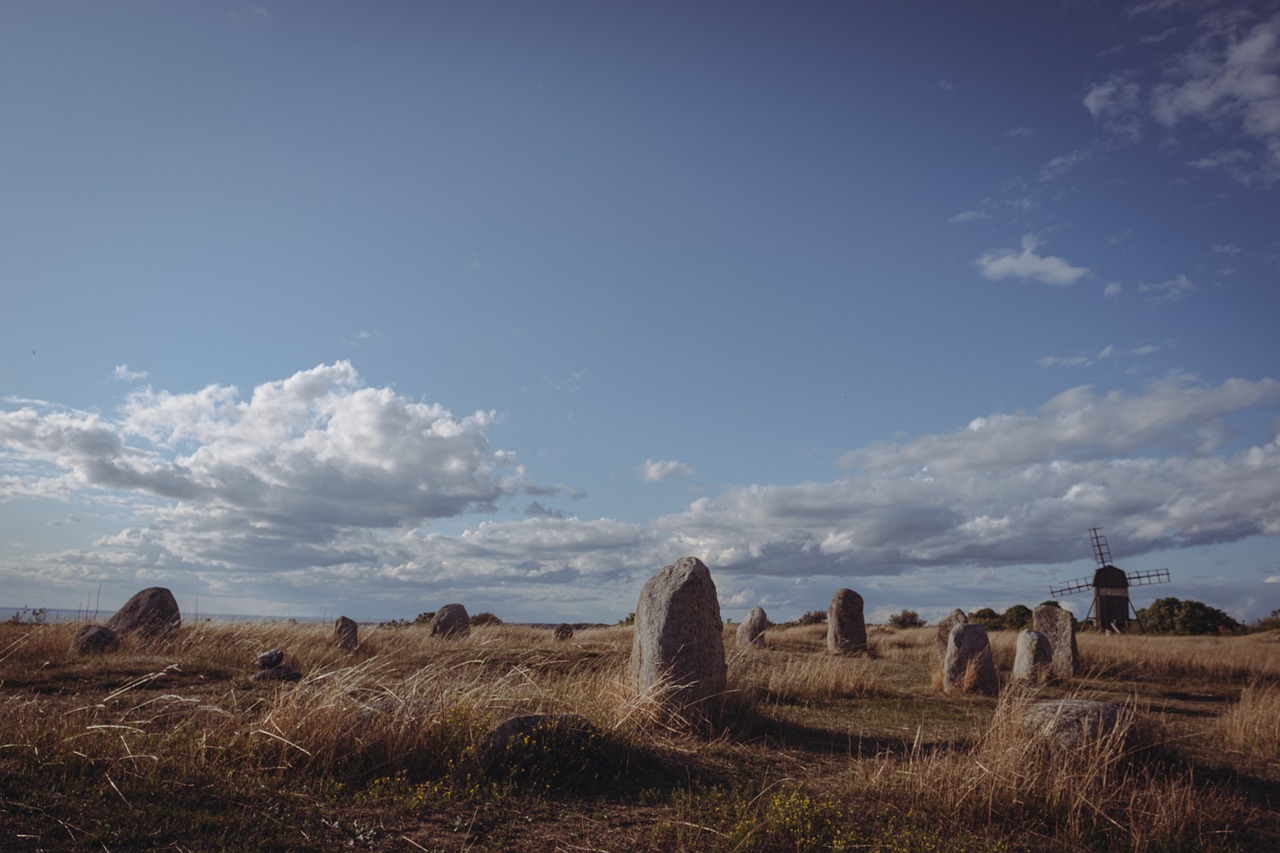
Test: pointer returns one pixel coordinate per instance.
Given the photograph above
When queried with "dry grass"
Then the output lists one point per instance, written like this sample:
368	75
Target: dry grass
380	748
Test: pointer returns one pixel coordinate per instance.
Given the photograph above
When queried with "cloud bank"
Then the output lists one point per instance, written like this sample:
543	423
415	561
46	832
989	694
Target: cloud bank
317	485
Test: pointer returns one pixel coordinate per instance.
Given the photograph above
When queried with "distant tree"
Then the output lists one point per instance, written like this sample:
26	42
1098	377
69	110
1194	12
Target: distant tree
987	618
1175	616
906	619
629	619
1050	603
1267	623
424	618
813	617
485	618
1017	617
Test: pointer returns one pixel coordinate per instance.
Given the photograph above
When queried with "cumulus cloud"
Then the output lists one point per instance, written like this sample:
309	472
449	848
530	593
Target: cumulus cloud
123	373
657	471
298	462
1010	263
1169	289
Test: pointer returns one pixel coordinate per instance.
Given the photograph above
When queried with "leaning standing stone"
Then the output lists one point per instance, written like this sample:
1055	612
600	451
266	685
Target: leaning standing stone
846	630
1059	626
1033	659
451	622
956	617
94	640
751	631
152	614
347	633
969	667
678	636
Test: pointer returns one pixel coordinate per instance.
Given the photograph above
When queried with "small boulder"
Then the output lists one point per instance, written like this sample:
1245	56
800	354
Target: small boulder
954	618
1058	626
1072	722
969	666
94	640
270	659
151	614
451	622
751	631
563	632
846	629
347	634
1033	658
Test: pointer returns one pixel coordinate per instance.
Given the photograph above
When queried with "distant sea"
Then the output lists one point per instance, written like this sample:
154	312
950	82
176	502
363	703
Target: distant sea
53	615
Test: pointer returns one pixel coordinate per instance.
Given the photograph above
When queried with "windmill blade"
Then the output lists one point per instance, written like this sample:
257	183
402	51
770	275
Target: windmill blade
1149	577
1071	587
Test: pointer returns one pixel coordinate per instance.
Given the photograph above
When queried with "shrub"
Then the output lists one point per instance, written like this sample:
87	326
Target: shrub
1017	617
906	619
485	618
987	618
1174	616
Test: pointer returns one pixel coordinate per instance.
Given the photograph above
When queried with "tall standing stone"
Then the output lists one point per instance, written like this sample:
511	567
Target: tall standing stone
451	622
678	635
954	618
751	631
1033	658
846	630
151	614
969	666
1059	626
347	634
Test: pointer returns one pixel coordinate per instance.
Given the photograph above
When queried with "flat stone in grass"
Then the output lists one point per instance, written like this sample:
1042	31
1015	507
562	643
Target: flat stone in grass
969	667
678	636
751	631
846	629
94	640
277	673
1072	722
451	622
270	659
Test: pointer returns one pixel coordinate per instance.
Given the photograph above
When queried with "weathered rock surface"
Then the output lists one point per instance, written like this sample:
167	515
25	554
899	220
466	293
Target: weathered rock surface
270	659
846	628
751	631
969	666
94	640
347	634
1058	626
151	614
1033	658
1072	722
678	640
563	632
954	618
451	622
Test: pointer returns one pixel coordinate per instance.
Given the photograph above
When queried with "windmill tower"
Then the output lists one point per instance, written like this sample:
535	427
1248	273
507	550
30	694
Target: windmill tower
1111	606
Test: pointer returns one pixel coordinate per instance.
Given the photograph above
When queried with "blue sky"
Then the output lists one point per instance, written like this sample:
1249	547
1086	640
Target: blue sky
335	308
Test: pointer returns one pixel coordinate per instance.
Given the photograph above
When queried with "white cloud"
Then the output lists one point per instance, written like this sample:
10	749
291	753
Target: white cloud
969	216
657	471
1170	289
1059	166
123	373
1113	289
1020	132
1010	263
1273	579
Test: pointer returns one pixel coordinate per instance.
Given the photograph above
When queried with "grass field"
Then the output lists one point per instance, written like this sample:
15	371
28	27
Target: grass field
175	747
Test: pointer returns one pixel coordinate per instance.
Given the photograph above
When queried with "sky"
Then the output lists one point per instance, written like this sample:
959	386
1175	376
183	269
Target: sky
329	308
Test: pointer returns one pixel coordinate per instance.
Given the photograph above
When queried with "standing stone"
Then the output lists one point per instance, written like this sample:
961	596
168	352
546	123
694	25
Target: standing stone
678	636
846	630
956	617
751	631
94	640
1033	658
969	666
152	614
451	622
347	633
1059	626
563	632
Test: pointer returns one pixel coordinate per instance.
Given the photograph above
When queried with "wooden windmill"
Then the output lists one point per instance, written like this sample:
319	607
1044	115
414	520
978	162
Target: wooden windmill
1111	606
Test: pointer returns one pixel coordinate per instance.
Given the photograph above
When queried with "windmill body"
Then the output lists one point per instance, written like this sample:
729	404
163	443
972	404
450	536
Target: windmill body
1111	607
